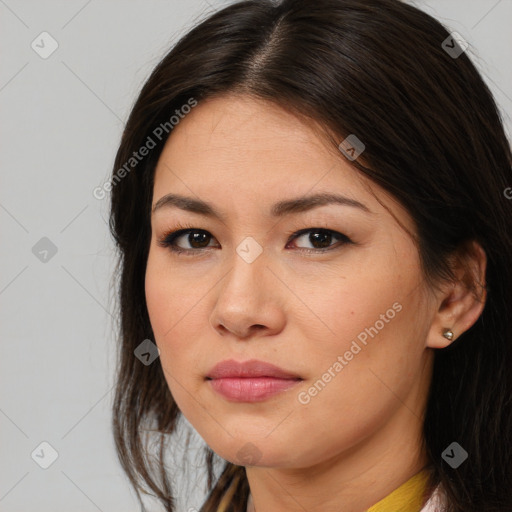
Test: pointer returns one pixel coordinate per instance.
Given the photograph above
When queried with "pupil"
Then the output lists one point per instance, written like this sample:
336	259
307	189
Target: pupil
322	237
196	237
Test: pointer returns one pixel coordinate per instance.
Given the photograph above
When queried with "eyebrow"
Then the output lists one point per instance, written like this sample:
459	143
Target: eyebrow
279	209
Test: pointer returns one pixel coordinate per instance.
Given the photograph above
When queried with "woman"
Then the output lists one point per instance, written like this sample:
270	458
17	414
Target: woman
309	204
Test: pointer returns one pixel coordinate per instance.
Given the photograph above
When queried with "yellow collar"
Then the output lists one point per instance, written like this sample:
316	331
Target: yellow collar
409	497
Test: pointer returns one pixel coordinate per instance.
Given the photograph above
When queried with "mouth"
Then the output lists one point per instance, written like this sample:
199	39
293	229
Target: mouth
250	381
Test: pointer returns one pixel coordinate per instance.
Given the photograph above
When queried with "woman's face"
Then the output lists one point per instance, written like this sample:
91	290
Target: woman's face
344	310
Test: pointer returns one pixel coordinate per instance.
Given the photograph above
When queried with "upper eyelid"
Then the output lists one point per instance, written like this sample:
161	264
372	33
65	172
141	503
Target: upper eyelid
176	233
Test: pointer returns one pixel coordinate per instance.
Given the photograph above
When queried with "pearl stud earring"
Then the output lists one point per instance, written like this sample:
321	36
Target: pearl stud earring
448	334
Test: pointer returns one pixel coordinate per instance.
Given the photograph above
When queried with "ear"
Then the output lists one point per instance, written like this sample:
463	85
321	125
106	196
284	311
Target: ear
459	303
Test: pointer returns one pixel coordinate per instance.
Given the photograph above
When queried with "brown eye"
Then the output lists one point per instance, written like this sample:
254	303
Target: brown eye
320	238
196	238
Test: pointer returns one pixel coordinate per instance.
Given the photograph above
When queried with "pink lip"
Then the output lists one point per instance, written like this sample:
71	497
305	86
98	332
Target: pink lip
251	381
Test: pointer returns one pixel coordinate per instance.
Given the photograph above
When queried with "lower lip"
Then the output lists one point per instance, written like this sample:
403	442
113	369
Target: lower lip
251	389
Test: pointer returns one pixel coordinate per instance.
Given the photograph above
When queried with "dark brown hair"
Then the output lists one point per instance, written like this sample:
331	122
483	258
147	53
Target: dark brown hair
433	138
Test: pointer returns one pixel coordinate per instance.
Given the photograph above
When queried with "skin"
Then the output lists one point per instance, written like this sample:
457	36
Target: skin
359	438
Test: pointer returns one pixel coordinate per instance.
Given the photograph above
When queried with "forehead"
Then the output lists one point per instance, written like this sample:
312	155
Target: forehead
237	150
230	136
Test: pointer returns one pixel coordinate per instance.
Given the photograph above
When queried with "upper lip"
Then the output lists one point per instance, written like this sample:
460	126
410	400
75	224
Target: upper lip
253	368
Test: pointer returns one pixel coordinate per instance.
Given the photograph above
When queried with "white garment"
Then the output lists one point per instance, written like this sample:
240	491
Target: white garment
435	502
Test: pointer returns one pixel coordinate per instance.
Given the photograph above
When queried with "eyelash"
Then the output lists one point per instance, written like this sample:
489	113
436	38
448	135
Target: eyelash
169	238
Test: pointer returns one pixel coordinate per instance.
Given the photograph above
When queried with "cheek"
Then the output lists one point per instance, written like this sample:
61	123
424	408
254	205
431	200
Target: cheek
361	378
362	305
373	326
164	309
168	297
169	321
177	318
376	360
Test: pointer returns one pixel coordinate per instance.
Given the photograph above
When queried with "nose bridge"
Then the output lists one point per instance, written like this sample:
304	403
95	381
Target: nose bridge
244	298
248	268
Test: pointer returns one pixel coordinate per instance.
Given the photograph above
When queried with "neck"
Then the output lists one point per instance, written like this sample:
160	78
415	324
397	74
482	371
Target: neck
351	481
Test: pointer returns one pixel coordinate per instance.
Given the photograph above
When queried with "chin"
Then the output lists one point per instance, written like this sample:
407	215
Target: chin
254	452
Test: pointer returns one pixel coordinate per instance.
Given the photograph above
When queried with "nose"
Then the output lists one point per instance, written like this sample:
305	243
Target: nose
250	300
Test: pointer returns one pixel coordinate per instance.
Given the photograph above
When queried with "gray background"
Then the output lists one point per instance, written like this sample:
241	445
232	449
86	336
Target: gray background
62	118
